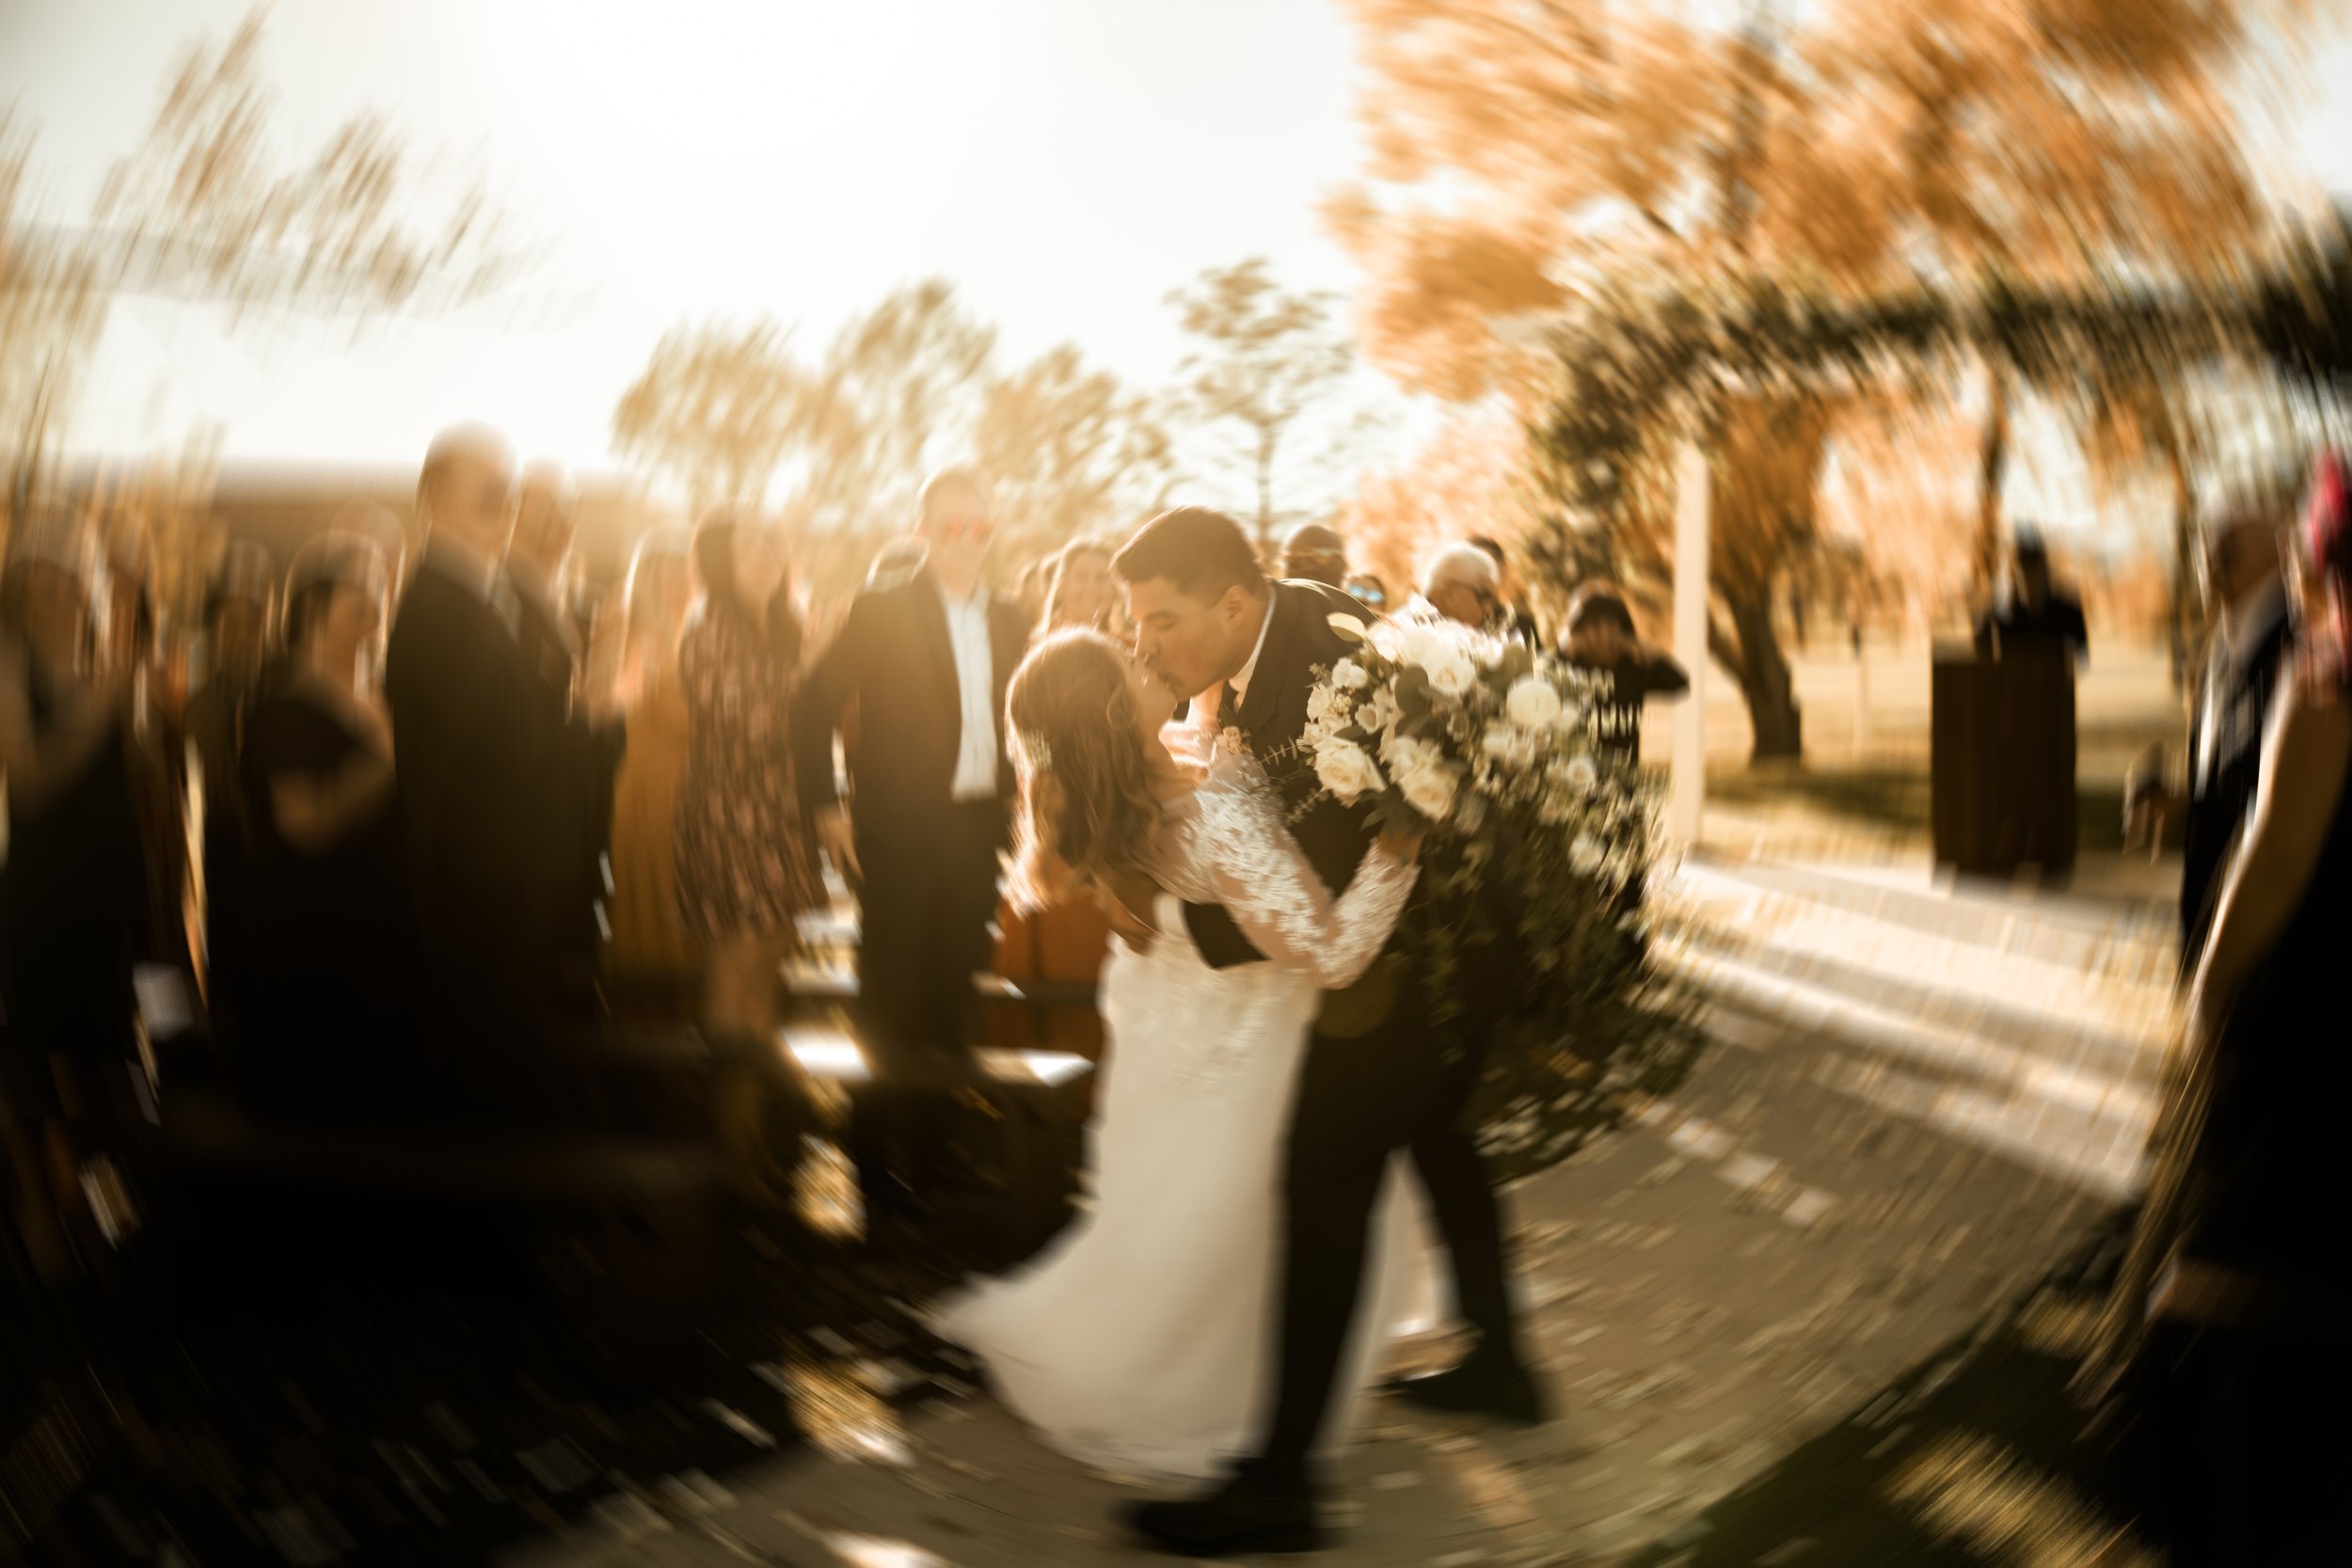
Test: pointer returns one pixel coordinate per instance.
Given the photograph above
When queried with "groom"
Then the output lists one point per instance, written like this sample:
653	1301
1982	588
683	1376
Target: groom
1375	1077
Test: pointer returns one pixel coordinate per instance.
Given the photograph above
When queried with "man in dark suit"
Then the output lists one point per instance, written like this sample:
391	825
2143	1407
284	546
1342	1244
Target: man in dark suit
2245	585
577	786
475	740
1376	1076
923	662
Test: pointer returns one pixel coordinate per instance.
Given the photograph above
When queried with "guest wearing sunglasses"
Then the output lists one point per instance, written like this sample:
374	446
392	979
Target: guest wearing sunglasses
923	662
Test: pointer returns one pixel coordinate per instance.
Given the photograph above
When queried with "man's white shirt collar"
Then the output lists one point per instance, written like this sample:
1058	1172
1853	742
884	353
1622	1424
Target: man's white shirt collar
977	599
1240	682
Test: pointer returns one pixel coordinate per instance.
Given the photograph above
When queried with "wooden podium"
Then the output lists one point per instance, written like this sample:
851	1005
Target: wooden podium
2001	762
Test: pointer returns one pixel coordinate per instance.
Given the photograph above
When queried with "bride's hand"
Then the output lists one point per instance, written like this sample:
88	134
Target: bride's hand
1404	847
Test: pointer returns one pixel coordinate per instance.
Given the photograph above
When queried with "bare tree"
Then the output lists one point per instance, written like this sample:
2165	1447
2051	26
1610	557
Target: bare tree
1265	357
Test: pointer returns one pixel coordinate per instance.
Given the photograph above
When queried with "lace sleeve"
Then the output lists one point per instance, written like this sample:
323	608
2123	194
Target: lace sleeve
1265	883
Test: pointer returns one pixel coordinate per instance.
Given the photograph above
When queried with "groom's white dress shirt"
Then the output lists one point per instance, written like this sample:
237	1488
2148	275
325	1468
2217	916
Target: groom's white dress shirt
976	751
1212	720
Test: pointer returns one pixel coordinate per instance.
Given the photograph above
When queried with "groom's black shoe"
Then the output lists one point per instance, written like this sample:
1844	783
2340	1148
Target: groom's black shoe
1247	1514
1473	1388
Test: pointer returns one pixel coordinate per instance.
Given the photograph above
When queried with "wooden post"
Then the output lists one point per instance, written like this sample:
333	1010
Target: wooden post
1687	792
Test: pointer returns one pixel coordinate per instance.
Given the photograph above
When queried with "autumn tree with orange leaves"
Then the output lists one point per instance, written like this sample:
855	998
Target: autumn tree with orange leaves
1528	156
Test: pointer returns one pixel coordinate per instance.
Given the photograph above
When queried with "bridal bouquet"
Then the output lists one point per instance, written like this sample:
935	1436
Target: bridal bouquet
1537	842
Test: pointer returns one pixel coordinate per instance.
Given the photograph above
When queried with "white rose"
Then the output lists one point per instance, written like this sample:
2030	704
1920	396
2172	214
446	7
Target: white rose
1325	703
1582	774
1453	674
1429	790
1498	742
1401	752
1349	676
1347	770
1584	854
1379	711
1532	704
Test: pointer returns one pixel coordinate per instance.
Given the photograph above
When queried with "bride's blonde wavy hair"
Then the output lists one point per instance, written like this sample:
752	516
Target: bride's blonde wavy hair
1089	815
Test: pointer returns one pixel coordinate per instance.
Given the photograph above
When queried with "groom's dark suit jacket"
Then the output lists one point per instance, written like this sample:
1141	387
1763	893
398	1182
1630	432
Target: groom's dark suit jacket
1334	837
1274	715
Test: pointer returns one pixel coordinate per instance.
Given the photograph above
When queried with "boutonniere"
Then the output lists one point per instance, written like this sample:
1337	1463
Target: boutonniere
1230	741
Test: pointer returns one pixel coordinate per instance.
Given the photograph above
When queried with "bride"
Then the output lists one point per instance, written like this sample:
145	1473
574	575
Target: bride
1141	1341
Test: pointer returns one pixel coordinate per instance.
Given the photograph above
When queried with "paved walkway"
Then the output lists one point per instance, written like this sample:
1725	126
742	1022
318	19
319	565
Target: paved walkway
1916	1099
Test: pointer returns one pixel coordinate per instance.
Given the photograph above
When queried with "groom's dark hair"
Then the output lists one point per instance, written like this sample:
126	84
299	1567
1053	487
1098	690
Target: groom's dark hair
1200	551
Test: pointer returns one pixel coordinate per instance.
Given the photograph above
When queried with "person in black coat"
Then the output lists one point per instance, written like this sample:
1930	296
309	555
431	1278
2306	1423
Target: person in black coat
923	662
1378	1076
2245	584
330	1030
475	740
577	789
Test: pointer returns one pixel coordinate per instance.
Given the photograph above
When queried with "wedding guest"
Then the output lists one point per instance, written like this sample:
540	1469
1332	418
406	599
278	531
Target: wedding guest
73	886
1601	639
743	870
2223	1334
1459	586
648	932
2035	617
238	609
477	739
332	1022
1315	553
1370	592
893	563
155	742
2244	580
129	637
1515	623
1081	591
2038	628
1065	943
926	663
577	787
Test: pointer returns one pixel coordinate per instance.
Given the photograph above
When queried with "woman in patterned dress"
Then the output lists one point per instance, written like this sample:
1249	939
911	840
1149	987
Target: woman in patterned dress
743	870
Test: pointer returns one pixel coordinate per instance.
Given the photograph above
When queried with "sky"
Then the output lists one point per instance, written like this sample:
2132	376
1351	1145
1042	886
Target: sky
1066	163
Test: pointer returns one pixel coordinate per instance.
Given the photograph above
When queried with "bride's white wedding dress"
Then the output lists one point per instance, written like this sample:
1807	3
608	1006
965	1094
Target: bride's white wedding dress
1141	1341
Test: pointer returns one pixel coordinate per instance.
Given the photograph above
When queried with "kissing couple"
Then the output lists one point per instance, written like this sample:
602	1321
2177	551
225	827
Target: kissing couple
1273	1066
